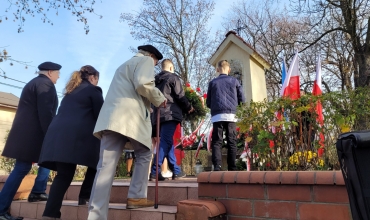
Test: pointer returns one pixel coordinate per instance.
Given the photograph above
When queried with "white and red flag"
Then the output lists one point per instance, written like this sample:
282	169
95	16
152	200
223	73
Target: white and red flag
291	84
317	90
200	145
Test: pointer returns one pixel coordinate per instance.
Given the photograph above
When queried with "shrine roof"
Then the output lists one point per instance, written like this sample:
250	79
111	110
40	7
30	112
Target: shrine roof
255	54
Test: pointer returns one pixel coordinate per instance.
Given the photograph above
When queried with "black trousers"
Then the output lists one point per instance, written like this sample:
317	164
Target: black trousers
63	179
217	140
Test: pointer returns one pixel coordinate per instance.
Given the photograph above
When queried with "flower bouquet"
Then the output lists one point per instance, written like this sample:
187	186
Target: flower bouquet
197	101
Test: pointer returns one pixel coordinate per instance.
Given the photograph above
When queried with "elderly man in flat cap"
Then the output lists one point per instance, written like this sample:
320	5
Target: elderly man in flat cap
37	107
125	116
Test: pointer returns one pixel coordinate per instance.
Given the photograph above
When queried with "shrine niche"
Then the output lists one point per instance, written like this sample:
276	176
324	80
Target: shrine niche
236	70
246	65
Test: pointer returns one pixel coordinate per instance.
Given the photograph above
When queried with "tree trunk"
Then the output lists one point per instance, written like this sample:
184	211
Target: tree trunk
363	61
363	80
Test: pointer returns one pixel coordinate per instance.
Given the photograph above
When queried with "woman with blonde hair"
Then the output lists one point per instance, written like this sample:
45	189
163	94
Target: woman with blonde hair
69	140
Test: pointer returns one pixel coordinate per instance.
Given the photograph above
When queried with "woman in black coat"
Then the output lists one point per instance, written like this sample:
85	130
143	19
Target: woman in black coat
69	140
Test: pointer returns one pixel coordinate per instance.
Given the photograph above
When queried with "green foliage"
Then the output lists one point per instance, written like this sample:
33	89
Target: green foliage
121	169
197	102
189	160
6	136
276	143
80	173
240	165
6	164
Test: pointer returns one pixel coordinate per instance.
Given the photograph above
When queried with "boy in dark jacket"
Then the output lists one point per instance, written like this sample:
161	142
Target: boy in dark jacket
224	94
177	103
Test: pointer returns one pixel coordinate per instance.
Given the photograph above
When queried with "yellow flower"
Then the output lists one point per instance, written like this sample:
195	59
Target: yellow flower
321	162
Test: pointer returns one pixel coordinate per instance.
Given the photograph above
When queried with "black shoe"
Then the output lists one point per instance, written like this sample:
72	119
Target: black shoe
82	201
35	197
178	176
7	216
160	177
217	168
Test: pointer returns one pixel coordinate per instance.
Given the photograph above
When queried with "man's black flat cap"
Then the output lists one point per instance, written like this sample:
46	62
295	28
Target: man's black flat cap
49	66
151	49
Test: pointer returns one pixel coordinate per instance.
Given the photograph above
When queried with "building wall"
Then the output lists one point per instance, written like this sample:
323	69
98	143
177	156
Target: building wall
258	78
6	121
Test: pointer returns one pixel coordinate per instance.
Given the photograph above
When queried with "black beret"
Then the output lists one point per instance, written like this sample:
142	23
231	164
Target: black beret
151	49
49	66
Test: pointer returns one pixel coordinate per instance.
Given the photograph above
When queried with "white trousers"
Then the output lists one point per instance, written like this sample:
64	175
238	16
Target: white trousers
111	148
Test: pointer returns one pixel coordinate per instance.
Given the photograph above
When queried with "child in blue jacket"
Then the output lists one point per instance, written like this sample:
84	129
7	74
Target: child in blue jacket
224	94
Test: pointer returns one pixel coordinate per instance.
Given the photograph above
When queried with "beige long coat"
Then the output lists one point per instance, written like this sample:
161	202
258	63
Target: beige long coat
126	109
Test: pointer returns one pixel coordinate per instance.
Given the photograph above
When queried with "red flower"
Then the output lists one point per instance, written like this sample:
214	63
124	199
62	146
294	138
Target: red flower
198	89
237	129
205	95
191	91
187	84
268	164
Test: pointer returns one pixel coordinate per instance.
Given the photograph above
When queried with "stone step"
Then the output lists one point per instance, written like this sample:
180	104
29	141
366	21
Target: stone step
71	211
169	192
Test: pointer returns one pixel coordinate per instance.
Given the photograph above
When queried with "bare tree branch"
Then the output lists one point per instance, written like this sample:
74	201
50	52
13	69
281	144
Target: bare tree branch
178	28
21	9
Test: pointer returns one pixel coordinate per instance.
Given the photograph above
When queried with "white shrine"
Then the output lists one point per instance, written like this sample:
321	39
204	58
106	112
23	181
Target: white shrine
246	65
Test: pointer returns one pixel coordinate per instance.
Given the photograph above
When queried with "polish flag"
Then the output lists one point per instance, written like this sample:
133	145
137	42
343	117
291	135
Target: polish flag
291	85
200	145
317	90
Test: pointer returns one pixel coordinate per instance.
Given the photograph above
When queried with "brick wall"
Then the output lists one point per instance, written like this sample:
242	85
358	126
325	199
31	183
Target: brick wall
277	195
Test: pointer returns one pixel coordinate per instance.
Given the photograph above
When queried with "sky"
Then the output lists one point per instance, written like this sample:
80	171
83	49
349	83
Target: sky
106	46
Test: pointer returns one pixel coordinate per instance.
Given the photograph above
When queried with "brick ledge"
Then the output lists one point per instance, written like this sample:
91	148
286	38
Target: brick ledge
200	209
273	177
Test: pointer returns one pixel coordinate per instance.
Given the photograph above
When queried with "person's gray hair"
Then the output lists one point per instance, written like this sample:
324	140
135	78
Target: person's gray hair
44	71
145	53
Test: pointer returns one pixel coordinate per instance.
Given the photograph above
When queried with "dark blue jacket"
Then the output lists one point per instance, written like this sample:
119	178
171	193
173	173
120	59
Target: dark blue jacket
37	107
224	94
70	138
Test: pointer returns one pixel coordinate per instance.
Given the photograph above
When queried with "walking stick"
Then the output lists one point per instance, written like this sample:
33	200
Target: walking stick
156	159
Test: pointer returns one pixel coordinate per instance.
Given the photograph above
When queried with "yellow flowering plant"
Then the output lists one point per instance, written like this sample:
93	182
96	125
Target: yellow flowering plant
307	159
